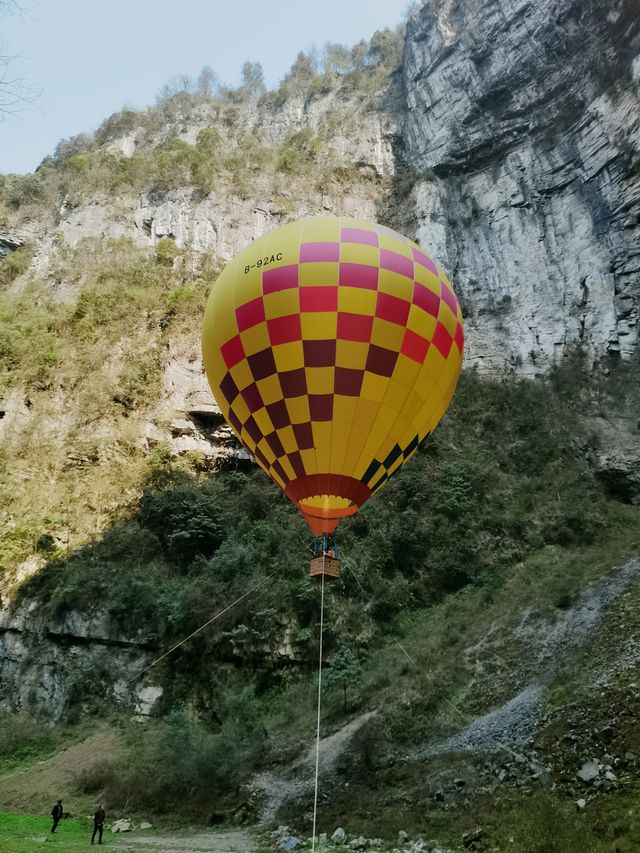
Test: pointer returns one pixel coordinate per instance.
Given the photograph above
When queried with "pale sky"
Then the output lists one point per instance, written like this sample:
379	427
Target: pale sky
89	58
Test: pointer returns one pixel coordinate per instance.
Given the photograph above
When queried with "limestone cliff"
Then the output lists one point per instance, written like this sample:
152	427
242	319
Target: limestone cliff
522	120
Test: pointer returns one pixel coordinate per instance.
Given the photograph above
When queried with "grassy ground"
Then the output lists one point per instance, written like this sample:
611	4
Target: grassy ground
25	833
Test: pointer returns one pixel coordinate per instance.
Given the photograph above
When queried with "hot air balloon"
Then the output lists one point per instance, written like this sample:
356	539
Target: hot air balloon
333	347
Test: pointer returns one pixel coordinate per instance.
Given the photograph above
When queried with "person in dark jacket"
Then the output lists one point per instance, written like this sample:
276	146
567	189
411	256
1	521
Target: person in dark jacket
98	825
56	814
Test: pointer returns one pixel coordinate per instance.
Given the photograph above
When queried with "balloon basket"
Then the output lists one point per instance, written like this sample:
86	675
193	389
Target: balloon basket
327	566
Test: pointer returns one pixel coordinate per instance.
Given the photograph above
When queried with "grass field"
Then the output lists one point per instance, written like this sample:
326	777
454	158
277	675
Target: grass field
25	833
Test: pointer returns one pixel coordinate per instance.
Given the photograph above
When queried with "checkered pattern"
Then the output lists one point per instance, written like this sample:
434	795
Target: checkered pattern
333	348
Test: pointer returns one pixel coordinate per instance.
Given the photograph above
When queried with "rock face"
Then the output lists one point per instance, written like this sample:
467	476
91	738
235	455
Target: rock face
50	667
522	120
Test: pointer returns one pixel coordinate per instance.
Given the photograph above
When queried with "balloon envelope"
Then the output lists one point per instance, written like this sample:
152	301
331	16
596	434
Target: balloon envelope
333	347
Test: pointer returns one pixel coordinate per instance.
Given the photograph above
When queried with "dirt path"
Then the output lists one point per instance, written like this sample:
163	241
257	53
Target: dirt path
232	841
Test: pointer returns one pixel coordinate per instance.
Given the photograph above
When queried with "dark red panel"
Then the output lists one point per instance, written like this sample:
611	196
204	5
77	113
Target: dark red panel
348	381
319	353
381	361
304	436
262	364
293	382
396	263
229	388
279	414
321	407
252	397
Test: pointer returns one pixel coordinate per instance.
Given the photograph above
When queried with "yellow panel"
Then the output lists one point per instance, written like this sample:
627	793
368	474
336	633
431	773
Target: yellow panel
309	461
447	318
282	303
426	278
395	284
288	467
242	375
321	433
270	389
406	370
421	323
344	410
386	419
357	441
319	326
374	386
288	356
321	229
385	448
288	439
433	364
366	413
357	300
320	380
395	245
215	365
387	335
450	369
318	274
400	429
298	408
412	405
337	457
360	253
351	354
277	479
246	286
265	425
240	409
268	452
255	339
373	443
323	459
394	467
408	434
396	395
248	441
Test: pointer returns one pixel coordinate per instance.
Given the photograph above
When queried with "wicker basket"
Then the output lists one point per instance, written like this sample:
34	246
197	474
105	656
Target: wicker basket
327	566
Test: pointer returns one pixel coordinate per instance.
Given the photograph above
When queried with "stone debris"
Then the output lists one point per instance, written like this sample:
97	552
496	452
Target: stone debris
122	825
339	837
589	771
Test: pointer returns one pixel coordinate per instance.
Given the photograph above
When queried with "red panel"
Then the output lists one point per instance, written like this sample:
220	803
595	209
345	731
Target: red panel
358	275
314	252
426	299
392	308
354	327
424	260
283	330
319	298
459	338
250	314
359	235
442	340
232	352
414	346
396	263
282	278
447	294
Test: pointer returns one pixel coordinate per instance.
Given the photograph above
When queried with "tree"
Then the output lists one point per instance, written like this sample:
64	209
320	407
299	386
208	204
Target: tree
207	82
252	85
345	671
13	88
337	59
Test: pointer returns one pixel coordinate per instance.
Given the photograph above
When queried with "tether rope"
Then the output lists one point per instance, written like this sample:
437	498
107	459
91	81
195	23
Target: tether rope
315	795
202	627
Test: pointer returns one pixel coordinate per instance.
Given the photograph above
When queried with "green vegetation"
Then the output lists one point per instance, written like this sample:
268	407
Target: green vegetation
26	834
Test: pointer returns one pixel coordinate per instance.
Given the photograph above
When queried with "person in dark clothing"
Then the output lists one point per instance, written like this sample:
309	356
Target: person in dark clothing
98	825
56	814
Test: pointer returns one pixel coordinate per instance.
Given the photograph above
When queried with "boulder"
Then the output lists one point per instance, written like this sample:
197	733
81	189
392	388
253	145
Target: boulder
339	837
145	825
589	771
122	825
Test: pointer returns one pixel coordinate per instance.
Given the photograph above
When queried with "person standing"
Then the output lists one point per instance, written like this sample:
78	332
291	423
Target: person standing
98	824
56	814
